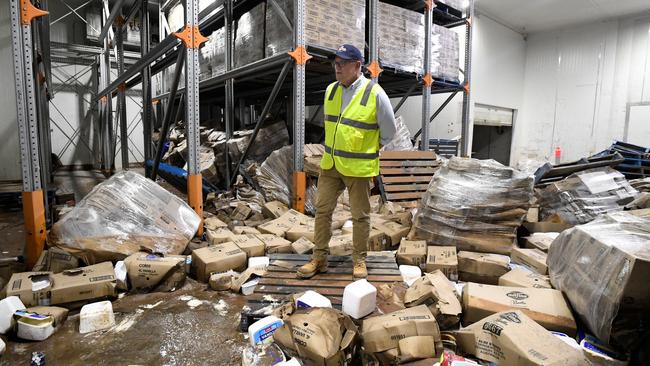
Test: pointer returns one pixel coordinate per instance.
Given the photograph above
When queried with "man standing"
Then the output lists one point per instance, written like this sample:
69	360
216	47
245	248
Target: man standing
358	120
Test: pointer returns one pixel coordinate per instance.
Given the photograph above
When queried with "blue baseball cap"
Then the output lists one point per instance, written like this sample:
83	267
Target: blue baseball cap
349	52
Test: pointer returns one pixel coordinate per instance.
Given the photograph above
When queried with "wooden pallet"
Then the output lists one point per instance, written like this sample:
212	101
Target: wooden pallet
279	282
405	175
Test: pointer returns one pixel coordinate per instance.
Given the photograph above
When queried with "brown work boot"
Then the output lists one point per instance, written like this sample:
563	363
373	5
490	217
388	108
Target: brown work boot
312	267
360	270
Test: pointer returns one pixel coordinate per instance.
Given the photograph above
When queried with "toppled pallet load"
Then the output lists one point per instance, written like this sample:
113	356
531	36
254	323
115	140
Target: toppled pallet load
122	215
602	268
475	205
585	195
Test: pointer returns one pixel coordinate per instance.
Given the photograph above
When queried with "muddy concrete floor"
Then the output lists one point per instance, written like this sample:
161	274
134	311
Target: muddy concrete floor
151	329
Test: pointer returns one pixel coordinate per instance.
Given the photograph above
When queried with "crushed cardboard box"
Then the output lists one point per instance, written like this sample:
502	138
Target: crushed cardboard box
55	260
318	336
393	230
275	244
218	236
241	212
482	267
33	288
274	209
522	277
412	252
443	259
222	281
148	272
302	246
534	259
217	258
439	294
546	306
382	333
511	338
378	241
250	244
85	283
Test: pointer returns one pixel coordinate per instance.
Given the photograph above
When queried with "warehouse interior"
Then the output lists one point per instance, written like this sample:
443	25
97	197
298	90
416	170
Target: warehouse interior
163	162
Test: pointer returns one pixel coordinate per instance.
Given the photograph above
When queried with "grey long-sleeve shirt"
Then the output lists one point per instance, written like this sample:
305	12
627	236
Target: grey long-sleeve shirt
385	115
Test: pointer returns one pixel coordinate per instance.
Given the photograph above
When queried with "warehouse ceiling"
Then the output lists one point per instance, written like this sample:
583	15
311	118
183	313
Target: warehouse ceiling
543	15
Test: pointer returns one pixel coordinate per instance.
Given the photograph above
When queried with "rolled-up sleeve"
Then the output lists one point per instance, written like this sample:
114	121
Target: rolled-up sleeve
385	118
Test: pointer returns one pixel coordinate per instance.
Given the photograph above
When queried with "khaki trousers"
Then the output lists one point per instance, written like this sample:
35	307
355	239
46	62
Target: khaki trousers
330	186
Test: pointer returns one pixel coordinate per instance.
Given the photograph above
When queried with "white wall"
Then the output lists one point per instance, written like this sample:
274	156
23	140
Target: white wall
577	86
498	60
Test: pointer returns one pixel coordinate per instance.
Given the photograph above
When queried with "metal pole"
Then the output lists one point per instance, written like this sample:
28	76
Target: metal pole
194	180
110	18
121	95
32	197
164	131
229	112
300	55
467	100
427	79
262	116
373	42
107	125
146	83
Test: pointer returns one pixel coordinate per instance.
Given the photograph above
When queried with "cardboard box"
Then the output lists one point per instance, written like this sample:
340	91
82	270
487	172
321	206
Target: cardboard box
274	209
218	236
521	277
154	272
241	212
546	306
482	267
277	227
413	253
302	246
59	260
381	333
341	245
393	230
274	244
545	227
213	223
511	338
535	259
300	231
439	294
318	336
541	241
443	259
33	288
378	241
250	244
242	230
86	283
217	258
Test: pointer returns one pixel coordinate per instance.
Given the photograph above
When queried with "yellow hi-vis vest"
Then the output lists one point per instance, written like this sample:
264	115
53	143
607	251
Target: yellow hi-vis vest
352	136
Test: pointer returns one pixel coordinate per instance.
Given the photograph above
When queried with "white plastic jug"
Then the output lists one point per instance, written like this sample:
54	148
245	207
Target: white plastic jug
33	326
262	330
96	316
359	299
261	262
312	299
8	308
410	273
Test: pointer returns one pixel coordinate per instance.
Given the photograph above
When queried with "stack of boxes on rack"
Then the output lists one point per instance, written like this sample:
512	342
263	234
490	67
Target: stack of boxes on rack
401	36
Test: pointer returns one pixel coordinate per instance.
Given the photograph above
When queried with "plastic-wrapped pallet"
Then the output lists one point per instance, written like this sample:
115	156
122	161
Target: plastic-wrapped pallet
249	46
475	205
212	55
445	54
121	216
602	268
402	139
275	174
456	4
583	196
328	24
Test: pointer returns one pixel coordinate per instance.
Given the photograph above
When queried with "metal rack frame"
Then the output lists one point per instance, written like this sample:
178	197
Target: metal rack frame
270	76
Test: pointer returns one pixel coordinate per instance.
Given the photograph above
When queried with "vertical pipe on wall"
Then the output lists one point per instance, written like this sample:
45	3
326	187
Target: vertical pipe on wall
465	149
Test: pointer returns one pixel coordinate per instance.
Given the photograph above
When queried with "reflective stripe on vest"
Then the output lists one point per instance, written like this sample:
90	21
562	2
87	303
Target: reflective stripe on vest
352	135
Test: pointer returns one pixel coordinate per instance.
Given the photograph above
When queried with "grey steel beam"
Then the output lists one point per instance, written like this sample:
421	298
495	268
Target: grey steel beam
373	41
146	81
164	131
192	91
121	97
229	105
108	23
262	116
70	12
426	86
298	88
467	97
405	97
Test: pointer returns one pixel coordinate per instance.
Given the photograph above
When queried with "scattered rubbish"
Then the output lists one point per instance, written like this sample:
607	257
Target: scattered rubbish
312	299
412	253
221	307
249	287
121	276
261	332
38	359
523	277
258	262
8	306
410	274
439	294
33	326
194	303
158	273
444	259
96	316
217	258
264	355
482	267
359	299
222	281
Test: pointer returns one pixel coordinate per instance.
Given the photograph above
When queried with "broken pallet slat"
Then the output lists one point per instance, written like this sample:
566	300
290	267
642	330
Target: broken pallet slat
403	171
408	163
405	187
333	277
306	257
376	265
404	196
400	155
407	179
344	270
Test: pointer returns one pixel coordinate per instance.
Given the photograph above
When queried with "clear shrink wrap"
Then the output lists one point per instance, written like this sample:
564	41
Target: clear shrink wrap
602	267
402	139
123	215
475	205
